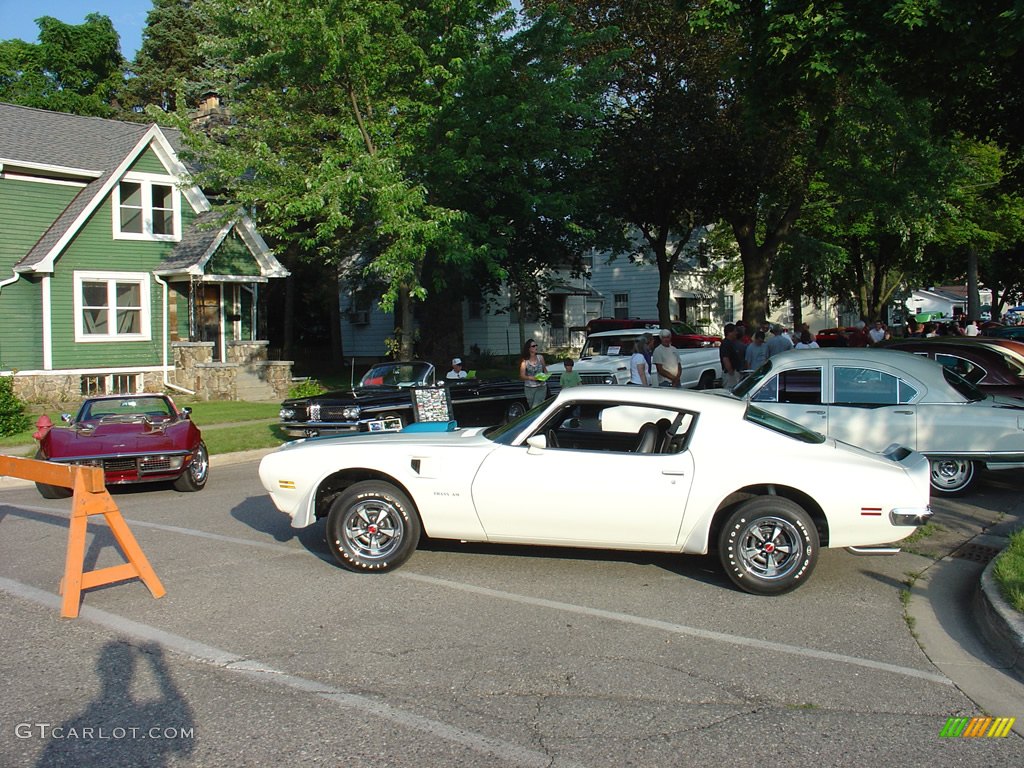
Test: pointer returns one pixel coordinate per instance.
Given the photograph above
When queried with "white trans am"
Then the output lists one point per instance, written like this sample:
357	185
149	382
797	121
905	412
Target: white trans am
569	473
877	397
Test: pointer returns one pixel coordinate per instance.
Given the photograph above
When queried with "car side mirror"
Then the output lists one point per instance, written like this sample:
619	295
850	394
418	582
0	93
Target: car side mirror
66	418
186	412
537	443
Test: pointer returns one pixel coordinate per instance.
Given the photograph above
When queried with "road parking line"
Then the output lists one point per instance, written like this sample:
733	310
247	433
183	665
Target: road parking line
598	613
260	672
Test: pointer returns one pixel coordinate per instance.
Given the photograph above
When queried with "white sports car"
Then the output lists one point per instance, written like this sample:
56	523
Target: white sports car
877	397
570	471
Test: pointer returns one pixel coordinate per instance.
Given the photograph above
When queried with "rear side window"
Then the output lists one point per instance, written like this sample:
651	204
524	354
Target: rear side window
867	386
801	386
970	371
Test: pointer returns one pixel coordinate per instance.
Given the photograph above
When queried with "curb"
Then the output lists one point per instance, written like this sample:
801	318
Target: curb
1002	627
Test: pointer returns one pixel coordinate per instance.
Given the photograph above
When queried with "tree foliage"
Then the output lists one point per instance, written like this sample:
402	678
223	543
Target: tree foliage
73	68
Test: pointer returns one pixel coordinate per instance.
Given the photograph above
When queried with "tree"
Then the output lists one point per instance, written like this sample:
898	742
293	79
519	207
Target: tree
330	103
74	68
513	154
170	63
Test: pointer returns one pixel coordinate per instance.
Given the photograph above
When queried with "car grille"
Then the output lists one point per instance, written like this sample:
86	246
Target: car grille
593	378
329	413
145	465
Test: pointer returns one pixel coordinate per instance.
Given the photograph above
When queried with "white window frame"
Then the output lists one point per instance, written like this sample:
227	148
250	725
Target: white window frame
147	182
111	279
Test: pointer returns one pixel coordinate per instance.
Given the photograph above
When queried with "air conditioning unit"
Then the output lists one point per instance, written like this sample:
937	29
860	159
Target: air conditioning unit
361	317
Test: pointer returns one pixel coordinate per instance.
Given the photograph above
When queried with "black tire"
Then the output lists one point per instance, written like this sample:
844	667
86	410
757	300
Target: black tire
514	411
769	546
373	527
51	491
707	380
194	478
952	477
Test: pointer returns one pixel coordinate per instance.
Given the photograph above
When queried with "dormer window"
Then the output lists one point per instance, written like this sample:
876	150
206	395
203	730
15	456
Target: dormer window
146	209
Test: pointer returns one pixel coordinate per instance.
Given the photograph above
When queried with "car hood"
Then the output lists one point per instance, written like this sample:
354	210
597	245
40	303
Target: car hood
358	439
359	395
115	439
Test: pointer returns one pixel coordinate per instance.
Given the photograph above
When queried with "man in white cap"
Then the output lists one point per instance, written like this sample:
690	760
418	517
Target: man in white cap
666	361
456	372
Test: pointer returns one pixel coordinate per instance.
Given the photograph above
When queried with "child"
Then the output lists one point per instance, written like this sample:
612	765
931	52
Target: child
570	378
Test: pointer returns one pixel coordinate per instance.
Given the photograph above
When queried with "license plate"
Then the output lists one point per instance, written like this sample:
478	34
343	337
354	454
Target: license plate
384	425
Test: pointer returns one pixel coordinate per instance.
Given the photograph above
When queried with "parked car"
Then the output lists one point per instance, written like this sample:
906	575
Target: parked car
876	398
834	337
385	397
684	335
1015	332
605	360
995	366
568	473
134	438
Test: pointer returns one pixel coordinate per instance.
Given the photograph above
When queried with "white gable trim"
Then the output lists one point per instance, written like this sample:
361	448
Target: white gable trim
56	170
166	155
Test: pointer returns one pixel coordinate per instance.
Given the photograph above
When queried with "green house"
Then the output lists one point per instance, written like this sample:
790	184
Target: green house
116	275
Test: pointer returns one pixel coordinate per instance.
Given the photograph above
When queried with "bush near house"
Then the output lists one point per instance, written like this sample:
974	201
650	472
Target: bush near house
13	412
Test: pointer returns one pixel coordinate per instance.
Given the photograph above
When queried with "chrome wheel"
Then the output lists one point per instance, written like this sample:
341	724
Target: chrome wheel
768	546
514	411
194	478
952	476
372	526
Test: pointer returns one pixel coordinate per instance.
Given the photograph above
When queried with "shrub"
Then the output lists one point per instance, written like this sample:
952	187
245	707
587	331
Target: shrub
13	412
307	388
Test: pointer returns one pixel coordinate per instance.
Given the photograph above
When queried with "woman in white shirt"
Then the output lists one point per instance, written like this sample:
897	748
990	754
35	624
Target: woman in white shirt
806	341
638	373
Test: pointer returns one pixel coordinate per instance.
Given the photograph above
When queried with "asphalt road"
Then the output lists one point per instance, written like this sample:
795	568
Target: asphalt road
264	652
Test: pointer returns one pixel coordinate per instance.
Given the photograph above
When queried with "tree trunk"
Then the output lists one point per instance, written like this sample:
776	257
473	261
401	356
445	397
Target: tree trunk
334	307
973	299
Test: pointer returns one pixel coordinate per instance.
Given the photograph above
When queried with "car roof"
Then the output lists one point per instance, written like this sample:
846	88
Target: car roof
983	345
664	397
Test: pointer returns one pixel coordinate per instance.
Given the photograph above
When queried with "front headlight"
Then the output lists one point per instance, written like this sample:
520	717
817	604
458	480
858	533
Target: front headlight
351	412
610	379
286	414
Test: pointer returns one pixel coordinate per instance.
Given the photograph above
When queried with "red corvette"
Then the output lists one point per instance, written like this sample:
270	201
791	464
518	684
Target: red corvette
135	438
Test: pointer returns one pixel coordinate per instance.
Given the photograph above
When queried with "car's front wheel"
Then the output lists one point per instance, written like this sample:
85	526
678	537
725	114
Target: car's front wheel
707	380
51	491
372	526
198	472
514	411
769	546
952	477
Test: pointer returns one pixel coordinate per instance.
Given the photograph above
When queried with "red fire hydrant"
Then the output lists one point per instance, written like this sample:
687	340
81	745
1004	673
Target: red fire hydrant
43	426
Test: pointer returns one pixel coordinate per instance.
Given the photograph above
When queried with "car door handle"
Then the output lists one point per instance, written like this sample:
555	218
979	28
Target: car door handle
819	413
673	471
906	413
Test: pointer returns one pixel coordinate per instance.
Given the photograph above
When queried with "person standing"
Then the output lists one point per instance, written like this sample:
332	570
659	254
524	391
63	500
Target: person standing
779	342
638	364
971	328
731	358
877	333
806	341
757	352
457	372
530	367
666	361
570	378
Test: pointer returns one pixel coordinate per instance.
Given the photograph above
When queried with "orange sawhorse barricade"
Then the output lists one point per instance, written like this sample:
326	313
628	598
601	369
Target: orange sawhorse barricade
90	498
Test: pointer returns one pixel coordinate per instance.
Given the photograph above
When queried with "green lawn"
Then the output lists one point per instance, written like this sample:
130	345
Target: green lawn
1009	571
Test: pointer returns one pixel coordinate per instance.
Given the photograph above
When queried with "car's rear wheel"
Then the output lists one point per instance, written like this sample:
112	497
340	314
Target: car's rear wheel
707	380
372	526
198	472
769	546
952	477
51	491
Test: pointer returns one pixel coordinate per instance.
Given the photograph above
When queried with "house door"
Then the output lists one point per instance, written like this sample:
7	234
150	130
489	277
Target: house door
209	321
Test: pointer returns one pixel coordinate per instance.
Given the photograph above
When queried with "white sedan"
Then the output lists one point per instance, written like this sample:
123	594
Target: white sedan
877	397
570	473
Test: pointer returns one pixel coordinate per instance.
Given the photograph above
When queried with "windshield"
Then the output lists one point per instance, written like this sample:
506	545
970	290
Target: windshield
746	386
127	407
398	375
781	425
506	433
609	345
962	385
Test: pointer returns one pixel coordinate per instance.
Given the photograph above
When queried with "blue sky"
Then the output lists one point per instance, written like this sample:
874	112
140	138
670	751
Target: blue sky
17	18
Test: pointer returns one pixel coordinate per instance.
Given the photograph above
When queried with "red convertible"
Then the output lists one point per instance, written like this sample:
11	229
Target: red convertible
135	438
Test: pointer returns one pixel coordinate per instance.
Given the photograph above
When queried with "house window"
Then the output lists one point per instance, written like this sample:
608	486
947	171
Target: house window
111	384
621	306
111	306
146	209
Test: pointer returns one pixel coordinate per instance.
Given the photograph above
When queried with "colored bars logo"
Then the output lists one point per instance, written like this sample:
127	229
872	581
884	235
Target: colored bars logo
975	727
